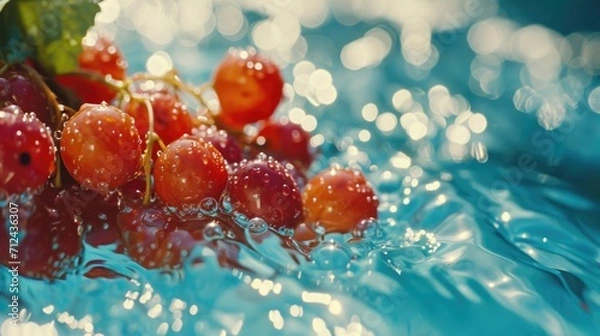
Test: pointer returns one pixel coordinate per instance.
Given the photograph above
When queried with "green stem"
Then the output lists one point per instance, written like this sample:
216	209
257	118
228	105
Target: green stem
151	137
173	79
3	68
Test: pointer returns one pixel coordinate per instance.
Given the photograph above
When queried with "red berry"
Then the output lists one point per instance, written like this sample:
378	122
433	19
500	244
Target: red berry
189	172
26	151
338	199
171	117
99	55
49	243
285	141
101	148
16	87
263	188
223	142
249	87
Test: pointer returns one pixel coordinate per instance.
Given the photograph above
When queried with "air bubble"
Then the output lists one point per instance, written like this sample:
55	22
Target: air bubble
284	231
209	206
226	206
319	229
368	229
257	225
212	231
262	156
240	219
331	256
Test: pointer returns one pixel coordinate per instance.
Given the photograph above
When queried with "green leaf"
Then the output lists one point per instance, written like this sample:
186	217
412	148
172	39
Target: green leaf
48	31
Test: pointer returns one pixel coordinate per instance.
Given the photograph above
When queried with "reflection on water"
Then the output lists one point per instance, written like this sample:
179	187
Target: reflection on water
453	110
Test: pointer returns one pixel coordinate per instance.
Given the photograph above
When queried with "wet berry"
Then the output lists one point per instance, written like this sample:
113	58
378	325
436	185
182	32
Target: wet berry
338	199
249	87
101	147
285	141
263	188
222	141
171	117
189	173
17	87
26	151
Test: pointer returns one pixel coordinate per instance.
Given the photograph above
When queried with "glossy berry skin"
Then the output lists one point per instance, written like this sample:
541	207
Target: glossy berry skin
16	87
285	141
26	151
222	141
101	147
338	199
298	174
171	117
249	87
99	55
263	188
189	171
49	243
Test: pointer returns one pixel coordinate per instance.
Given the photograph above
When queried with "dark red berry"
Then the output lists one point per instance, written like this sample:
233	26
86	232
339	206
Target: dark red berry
222	141
26	151
263	188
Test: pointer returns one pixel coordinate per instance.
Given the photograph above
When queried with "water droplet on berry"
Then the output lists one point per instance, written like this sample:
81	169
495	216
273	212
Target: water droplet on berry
153	218
266	178
102	216
262	156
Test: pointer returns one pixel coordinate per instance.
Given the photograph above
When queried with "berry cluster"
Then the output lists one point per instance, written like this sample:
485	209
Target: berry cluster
138	168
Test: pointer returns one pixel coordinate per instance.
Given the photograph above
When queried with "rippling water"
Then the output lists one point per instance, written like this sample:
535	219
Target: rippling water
478	131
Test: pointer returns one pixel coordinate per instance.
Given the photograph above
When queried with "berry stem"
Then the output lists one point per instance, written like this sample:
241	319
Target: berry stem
3	68
151	137
67	109
175	81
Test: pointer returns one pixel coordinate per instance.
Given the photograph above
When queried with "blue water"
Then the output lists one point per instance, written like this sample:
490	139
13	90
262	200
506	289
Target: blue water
489	231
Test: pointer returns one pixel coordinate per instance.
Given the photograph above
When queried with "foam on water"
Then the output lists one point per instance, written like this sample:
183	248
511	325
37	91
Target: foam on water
470	139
